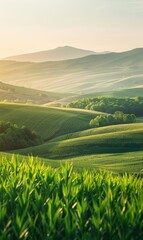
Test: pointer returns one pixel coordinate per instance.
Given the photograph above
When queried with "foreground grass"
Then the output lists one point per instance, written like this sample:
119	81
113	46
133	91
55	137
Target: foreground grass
118	163
38	202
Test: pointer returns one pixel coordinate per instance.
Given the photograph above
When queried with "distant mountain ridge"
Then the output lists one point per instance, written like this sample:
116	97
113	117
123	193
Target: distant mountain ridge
90	74
57	54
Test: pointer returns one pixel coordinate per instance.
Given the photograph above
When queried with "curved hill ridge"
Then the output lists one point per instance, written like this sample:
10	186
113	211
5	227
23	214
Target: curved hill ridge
112	139
47	122
57	54
94	73
100	131
67	137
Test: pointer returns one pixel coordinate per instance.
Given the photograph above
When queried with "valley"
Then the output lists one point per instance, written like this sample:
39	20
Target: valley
71	120
68	137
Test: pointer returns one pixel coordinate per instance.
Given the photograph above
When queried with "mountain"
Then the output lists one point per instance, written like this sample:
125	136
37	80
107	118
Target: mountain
57	54
94	73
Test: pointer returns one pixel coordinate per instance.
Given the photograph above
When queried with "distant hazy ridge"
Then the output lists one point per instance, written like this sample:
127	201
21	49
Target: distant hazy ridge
57	54
94	73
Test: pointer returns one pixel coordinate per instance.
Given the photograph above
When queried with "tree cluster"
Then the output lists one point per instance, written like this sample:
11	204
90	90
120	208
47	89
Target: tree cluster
112	119
111	105
14	137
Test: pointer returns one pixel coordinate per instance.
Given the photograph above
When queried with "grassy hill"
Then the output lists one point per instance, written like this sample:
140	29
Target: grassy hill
13	93
67	138
96	73
111	139
131	92
131	162
48	122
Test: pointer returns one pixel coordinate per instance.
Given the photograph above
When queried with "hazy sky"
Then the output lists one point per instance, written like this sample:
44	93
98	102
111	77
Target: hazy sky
33	25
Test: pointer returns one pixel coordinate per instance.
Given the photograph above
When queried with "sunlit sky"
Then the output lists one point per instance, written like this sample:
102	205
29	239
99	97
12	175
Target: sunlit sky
99	25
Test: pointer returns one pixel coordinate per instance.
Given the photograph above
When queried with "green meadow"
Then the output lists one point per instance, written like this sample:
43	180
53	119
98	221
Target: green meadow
71	120
48	122
80	183
68	137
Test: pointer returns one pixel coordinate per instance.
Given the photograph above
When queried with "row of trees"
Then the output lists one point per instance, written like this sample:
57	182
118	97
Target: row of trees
111	105
14	137
112	119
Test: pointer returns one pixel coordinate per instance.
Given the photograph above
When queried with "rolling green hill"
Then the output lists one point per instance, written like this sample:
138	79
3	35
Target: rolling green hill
95	73
11	93
48	122
132	92
67	137
116	162
111	139
124	93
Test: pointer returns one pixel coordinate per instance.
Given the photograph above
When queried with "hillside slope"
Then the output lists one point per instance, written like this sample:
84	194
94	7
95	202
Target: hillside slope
111	139
89	74
48	122
116	162
67	137
13	93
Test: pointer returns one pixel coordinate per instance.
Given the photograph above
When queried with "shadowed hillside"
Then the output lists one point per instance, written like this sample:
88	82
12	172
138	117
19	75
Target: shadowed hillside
13	93
89	74
111	139
47	122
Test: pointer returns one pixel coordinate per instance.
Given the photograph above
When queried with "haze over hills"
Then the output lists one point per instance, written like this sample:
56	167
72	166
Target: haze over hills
11	93
94	73
57	54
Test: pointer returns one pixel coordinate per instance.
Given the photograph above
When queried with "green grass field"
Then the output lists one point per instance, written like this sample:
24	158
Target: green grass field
38	202
111	139
68	138
81	183
48	122
86	183
118	163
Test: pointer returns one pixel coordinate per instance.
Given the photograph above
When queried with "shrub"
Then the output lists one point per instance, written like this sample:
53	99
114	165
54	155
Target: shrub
116	118
111	105
14	137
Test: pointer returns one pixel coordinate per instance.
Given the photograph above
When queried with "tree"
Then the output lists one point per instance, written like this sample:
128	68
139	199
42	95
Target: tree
14	137
111	105
116	118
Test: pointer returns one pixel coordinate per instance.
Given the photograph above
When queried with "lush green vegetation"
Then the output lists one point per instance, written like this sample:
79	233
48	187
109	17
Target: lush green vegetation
104	147
116	118
15	137
38	202
109	139
131	162
111	105
47	122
